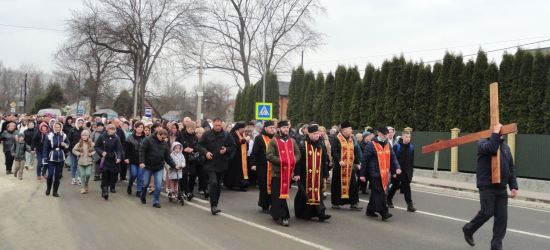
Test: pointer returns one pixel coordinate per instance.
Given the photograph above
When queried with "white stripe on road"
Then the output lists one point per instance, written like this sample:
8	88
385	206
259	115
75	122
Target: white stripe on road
288	236
461	220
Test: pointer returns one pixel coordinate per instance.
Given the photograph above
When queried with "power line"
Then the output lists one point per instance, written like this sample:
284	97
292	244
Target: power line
28	27
427	50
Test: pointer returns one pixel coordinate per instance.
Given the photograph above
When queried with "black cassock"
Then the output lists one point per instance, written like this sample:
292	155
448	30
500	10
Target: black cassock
279	207
301	208
258	159
336	183
234	177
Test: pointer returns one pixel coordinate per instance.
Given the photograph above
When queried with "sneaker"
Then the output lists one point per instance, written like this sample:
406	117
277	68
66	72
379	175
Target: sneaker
201	192
45	176
156	205
410	207
38	178
73	182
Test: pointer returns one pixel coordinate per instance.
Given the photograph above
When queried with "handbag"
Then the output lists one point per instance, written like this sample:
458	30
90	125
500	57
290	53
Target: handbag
194	157
68	161
96	157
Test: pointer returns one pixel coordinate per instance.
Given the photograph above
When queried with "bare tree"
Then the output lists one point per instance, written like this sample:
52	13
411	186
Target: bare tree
215	99
143	31
235	30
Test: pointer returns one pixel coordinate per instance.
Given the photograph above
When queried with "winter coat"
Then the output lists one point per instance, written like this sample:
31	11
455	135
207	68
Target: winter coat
405	159
272	154
488	147
68	126
74	134
9	139
84	160
52	149
369	161
212	141
111	145
122	137
188	140
179	160
29	135
38	138
131	147
94	135
18	150
154	152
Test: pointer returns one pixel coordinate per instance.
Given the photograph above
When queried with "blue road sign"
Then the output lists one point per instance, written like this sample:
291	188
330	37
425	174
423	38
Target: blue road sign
264	111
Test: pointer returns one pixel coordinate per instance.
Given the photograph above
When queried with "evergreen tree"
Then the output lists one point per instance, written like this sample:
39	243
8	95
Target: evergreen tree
455	86
443	88
513	99
272	93
434	95
122	103
365	108
491	76
54	95
392	87
381	95
505	86
373	98
400	107
355	108
294	110
326	107
537	93
465	97
352	76
421	105
317	104
478	83
238	103
308	96
339	78
523	92
546	106
409	118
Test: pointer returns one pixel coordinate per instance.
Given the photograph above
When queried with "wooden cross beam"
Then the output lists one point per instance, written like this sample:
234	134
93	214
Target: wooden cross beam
507	129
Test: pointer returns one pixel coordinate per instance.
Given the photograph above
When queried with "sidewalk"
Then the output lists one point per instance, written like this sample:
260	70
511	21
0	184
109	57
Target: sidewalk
471	187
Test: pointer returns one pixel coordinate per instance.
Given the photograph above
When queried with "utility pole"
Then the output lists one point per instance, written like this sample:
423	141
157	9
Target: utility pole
20	97
78	94
136	83
25	100
265	61
302	59
200	93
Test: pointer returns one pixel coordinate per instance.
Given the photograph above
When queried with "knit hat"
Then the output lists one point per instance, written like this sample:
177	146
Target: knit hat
366	133
269	123
85	132
21	135
383	130
110	126
206	124
282	124
345	124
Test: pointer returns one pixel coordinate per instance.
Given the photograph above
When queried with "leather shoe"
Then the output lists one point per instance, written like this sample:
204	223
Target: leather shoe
468	237
371	214
129	190
113	190
324	217
386	216
143	201
157	205
215	210
265	211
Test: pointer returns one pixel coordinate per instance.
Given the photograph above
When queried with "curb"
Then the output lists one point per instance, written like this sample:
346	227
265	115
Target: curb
518	197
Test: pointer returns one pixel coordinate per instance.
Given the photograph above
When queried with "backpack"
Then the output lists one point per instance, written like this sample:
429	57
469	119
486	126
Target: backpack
399	149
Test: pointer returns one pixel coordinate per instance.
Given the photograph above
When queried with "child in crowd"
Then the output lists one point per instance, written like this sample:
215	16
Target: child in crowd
18	150
174	174
83	151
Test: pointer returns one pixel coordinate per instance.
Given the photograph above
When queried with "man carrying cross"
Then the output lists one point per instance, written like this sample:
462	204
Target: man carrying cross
493	196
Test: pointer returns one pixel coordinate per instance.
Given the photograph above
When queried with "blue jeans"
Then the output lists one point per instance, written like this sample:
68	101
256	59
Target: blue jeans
136	173
40	168
157	175
74	165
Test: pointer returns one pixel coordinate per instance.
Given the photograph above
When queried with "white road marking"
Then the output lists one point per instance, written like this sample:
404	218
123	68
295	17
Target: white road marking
288	236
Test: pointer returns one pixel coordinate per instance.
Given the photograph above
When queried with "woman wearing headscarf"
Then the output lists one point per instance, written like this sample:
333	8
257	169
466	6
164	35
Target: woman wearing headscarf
37	146
8	138
108	146
53	154
237	171
68	125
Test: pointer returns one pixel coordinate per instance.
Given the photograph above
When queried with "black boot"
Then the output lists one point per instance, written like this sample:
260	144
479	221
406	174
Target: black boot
113	190
390	203
129	190
410	207
48	186
55	188
105	192
96	178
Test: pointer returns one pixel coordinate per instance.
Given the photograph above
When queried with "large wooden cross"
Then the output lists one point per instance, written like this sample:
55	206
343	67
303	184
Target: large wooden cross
507	129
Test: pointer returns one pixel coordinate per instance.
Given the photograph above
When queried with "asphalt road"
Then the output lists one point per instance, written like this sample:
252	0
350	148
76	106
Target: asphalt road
29	220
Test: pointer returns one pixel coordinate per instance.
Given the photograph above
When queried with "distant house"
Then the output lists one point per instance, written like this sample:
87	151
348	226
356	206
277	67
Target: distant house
543	50
283	99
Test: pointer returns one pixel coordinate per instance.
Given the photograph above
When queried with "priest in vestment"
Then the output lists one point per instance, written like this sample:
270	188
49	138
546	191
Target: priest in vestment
237	171
282	153
309	173
259	163
380	162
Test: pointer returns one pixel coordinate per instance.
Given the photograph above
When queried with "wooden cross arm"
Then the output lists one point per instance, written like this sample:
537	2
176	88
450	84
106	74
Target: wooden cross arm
507	129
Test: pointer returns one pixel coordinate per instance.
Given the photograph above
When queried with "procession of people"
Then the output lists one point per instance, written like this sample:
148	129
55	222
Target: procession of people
225	156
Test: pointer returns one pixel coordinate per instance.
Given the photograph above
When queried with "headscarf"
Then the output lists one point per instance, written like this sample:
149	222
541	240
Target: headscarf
43	133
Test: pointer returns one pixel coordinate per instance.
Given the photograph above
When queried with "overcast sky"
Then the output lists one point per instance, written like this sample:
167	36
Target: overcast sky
358	31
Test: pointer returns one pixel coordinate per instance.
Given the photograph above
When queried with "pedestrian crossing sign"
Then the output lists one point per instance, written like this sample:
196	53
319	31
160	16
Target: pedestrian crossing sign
263	111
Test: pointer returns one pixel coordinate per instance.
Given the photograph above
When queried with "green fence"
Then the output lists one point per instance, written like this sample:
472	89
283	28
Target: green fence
532	160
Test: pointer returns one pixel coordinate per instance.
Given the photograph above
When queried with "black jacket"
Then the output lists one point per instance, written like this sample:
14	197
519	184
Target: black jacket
29	135
212	141
122	137
301	168
111	145
74	137
405	158
131	147
258	156
486	148
188	141
154	153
